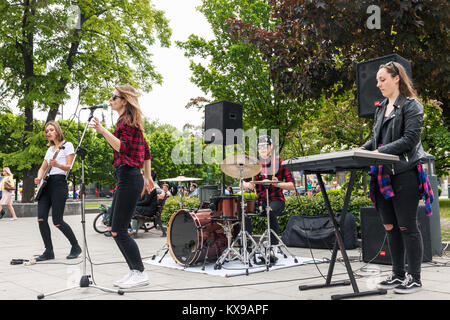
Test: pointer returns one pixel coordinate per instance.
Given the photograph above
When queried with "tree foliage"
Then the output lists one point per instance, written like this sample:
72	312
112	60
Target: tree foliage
316	43
236	71
43	56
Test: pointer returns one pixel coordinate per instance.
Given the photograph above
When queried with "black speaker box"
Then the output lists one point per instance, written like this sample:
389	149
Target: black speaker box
219	117
374	245
368	94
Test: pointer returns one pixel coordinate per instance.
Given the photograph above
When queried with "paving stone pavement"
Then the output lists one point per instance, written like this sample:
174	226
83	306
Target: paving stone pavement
21	240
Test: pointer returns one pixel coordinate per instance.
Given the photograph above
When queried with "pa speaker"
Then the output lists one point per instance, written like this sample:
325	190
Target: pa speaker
374	242
368	94
219	117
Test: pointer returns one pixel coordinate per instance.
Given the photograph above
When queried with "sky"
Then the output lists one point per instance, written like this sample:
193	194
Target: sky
165	103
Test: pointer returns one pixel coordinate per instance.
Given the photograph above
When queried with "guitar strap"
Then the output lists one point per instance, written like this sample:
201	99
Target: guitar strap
56	154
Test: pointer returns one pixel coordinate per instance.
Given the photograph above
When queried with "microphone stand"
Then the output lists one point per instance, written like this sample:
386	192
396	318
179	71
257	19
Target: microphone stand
84	281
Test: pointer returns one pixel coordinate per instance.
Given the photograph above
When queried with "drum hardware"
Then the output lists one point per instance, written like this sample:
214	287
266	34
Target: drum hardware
266	246
239	166
166	248
228	228
208	244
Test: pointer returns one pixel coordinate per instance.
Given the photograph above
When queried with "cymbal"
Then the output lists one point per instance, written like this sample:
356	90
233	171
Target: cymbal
181	179
240	166
267	182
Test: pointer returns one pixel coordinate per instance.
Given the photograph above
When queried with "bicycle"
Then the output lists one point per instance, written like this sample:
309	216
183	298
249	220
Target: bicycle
101	221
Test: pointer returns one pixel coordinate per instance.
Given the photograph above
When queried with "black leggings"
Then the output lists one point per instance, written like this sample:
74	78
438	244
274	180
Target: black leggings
401	212
54	196
129	188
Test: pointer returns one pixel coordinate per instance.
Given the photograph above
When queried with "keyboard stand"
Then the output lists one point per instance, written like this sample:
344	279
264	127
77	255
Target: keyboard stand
339	244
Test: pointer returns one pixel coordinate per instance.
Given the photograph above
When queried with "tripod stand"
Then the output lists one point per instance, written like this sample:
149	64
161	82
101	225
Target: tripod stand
268	232
243	235
84	281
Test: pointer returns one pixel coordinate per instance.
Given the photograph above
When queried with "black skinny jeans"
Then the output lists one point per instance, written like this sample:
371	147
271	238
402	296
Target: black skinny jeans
54	196
401	212
129	188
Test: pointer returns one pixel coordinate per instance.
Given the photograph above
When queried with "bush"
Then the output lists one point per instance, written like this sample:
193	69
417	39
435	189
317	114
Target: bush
172	205
303	205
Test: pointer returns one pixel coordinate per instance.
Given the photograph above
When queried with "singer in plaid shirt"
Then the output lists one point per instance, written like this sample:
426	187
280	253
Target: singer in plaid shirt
272	169
133	147
131	153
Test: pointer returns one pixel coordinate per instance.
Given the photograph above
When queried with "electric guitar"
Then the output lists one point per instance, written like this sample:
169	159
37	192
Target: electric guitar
43	183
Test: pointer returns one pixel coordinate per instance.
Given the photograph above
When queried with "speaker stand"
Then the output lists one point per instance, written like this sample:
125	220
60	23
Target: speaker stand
339	245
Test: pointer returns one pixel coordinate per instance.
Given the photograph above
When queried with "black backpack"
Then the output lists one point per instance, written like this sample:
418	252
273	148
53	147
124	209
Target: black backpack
317	232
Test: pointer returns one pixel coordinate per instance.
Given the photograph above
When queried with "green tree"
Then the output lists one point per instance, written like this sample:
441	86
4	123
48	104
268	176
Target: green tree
236	71
316	43
436	137
42	56
335	126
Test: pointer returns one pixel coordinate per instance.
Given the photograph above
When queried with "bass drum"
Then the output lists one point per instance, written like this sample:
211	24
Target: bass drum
189	233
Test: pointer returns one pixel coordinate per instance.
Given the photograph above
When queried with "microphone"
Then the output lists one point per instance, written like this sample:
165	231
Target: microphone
99	106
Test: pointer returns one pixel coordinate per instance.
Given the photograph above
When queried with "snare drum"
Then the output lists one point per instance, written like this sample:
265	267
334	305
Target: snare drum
189	233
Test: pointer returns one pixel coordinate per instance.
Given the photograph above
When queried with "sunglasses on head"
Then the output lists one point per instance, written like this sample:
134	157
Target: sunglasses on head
114	97
393	64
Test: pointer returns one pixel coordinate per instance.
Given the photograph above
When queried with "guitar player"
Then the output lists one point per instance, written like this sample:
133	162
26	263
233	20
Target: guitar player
57	162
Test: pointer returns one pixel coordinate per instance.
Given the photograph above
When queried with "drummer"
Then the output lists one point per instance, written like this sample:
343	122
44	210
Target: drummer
272	169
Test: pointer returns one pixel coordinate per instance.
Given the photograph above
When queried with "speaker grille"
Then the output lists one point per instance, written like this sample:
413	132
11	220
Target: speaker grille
367	92
375	248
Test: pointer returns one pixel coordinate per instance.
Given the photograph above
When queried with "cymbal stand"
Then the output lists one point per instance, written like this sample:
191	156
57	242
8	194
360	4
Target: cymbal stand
267	234
242	236
180	192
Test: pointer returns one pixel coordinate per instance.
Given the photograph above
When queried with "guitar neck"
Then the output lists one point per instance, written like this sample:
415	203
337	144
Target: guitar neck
49	167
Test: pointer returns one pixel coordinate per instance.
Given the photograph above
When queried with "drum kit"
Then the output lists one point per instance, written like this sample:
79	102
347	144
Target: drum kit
208	232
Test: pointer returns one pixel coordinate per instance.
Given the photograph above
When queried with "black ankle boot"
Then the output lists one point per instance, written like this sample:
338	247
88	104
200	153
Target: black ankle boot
74	252
47	255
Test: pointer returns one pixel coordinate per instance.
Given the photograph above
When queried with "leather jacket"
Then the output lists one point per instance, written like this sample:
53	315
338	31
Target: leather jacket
406	133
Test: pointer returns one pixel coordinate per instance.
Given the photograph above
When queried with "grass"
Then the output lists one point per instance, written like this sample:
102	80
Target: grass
444	208
92	205
444	211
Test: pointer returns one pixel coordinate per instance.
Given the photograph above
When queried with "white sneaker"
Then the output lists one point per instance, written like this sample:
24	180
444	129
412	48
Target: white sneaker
137	279
125	278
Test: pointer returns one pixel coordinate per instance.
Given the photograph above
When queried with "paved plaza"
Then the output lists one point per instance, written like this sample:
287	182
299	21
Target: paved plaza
21	240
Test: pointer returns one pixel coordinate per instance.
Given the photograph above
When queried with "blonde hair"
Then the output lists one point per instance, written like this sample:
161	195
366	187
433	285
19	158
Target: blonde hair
8	171
405	85
58	130
133	113
7	179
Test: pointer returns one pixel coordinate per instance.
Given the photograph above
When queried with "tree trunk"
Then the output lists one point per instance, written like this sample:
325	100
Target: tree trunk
28	183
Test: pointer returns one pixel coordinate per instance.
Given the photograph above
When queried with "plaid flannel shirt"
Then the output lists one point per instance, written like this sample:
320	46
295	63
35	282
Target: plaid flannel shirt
384	182
134	148
270	169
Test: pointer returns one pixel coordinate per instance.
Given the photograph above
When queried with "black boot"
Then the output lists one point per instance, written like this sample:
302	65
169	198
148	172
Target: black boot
74	252
2	213
47	255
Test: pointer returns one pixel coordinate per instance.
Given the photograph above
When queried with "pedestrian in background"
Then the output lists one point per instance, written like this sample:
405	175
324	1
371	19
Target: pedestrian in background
7	186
